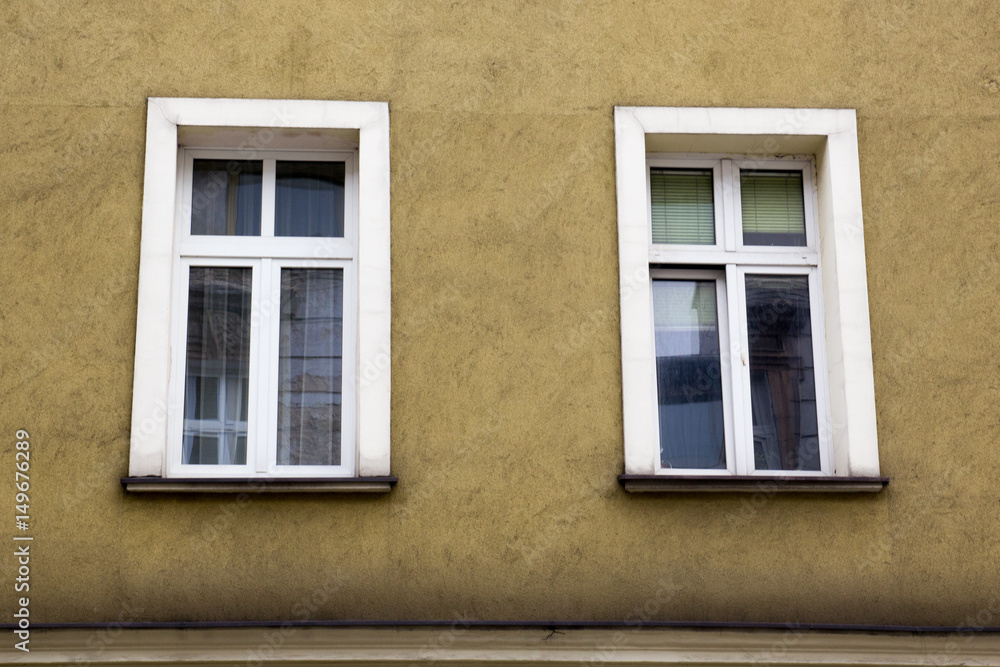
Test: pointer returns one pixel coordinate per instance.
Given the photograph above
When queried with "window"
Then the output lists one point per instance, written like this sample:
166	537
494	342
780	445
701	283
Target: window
286	366
757	251
745	340
263	324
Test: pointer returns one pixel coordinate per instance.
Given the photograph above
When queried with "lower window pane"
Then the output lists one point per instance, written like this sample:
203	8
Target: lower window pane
782	374
688	374
309	366
218	366
205	449
201	449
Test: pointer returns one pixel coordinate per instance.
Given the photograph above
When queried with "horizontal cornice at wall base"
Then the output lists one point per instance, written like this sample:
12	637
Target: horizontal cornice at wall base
460	642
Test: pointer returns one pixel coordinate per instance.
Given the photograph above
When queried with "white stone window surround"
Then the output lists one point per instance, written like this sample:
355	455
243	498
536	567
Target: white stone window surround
369	123
830	135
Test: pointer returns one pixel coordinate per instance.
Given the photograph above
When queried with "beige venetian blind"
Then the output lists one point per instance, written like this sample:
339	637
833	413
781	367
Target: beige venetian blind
773	209
683	208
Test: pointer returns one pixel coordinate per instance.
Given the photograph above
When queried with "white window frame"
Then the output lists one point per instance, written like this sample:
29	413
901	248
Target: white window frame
723	314
738	259
167	249
835	242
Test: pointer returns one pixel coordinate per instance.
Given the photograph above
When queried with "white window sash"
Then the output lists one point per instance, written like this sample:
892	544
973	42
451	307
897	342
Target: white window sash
717	194
269	394
178	384
265	320
268	245
738	262
725	359
743	401
806	167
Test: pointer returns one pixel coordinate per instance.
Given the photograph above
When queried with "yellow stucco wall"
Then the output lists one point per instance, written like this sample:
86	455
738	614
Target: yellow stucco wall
506	408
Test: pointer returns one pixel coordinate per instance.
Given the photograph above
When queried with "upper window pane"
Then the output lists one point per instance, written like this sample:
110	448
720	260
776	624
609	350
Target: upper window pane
683	206
310	199
782	373
773	209
688	374
226	196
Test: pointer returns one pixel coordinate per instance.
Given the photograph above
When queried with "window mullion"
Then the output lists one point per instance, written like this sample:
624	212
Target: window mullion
740	364
730	201
726	338
268	187
263	311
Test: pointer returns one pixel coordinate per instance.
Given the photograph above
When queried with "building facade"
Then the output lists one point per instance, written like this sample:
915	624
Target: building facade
510	332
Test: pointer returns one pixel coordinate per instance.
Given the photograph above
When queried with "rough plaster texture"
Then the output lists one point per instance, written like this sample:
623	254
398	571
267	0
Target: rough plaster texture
506	415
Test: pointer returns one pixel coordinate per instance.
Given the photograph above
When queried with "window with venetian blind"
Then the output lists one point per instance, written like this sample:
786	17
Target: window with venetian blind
736	307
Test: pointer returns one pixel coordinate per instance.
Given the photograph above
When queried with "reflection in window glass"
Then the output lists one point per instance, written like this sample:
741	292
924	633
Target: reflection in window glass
309	200
688	374
226	197
682	206
782	376
309	366
217	366
773	208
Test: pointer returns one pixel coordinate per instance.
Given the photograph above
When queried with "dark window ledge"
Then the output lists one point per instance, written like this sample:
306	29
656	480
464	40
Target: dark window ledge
258	485
755	484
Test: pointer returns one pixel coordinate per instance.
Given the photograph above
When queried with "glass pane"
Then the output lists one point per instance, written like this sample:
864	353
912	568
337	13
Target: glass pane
218	366
309	366
226	197
773	209
683	207
782	376
310	199
201	450
206	392
688	374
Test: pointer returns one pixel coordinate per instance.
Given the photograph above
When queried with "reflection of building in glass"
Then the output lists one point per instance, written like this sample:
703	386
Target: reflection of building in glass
309	366
688	374
782	378
218	366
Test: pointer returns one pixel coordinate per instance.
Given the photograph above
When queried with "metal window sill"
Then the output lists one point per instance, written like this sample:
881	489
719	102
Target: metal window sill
755	484
258	485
